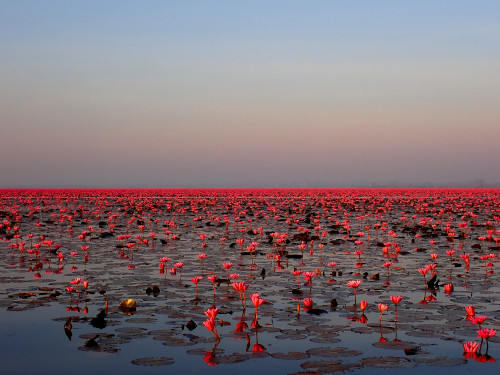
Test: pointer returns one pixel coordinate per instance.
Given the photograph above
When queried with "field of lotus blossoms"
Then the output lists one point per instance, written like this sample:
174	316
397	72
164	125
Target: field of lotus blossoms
225	281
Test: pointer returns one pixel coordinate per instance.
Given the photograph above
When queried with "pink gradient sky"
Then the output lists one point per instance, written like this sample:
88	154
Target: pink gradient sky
223	94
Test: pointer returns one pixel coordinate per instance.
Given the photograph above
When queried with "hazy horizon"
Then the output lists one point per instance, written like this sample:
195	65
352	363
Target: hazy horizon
249	94
397	185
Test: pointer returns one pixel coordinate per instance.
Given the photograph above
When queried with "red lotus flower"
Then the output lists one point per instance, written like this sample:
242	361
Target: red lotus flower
212	278
396	299
470	347
478	319
423	271
256	300
227	266
308	277
354	284
308	304
382	308
70	289
212	312
210	325
297	273
448	288
196	280
241	287
470	310
486	333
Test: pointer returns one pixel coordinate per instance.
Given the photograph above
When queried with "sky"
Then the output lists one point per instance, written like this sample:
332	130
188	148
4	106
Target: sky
249	93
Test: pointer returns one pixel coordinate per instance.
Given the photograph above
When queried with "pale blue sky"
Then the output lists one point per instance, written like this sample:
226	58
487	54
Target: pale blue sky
260	93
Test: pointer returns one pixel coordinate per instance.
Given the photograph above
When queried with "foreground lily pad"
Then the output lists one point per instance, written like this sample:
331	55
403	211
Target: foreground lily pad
153	361
329	367
333	352
388	362
290	355
439	360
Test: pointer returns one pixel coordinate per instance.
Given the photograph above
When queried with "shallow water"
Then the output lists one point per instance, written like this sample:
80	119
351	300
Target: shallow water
155	338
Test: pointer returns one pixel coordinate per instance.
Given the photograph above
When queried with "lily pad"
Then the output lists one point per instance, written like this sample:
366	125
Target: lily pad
290	355
153	361
331	352
388	362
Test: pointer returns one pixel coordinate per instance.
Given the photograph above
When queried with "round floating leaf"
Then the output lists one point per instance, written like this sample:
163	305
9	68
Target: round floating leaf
325	339
140	320
330	352
290	355
439	360
394	344
174	341
153	361
131	330
387	362
326	366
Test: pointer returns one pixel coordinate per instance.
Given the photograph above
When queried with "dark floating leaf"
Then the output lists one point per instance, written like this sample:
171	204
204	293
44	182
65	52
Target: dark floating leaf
412	350
99	321
433	283
329	367
394	344
100	348
439	360
153	361
67	328
315	311
330	352
175	341
325	339
388	362
91	343
191	325
203	351
140	320
290	355
291	335
131	330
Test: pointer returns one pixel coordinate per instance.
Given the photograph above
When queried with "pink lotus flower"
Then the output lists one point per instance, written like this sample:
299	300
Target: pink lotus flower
308	304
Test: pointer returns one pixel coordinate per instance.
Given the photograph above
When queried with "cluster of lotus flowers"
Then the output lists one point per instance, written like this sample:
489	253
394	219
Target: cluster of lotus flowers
75	286
391	250
212	312
473	349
